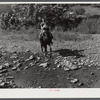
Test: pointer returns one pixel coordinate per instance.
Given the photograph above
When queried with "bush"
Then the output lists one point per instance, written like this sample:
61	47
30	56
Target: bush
89	26
78	10
61	36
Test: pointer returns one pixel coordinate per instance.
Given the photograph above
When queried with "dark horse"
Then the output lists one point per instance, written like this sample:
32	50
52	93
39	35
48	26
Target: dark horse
46	40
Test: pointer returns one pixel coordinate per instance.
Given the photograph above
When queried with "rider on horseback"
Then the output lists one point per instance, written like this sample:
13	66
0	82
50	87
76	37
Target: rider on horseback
45	28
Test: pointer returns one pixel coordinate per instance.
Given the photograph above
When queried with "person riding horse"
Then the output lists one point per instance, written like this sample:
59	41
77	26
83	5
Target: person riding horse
45	37
45	28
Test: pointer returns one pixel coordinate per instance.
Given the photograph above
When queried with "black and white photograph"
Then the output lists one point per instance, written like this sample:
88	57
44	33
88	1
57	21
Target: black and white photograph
49	45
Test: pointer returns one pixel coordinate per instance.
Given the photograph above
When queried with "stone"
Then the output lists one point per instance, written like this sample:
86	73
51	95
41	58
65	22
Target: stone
1	67
27	50
53	68
1	75
38	58
98	68
14	68
74	81
66	69
31	64
39	86
4	71
7	65
14	57
26	67
58	66
80	84
44	65
92	73
10	77
18	65
16	61
73	67
2	85
18	69
1	80
31	57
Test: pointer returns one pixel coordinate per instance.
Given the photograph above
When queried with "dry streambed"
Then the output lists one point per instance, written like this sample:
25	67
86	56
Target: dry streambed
26	69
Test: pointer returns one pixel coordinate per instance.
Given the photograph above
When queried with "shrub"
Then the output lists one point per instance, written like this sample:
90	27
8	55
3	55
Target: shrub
89	26
79	10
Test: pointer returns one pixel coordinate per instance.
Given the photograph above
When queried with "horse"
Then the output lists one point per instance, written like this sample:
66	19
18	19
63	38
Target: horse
46	40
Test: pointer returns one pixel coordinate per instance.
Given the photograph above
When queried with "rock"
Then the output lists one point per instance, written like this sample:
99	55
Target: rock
98	68
16	61
1	47
66	69
79	66
1	80
31	64
1	75
92	73
2	85
18	65
74	81
80	84
89	65
56	61
44	65
7	65
38	58
4	71
26	67
53	68
27	50
1	67
18	69
39	86
14	68
73	67
30	58
10	77
14	57
58	66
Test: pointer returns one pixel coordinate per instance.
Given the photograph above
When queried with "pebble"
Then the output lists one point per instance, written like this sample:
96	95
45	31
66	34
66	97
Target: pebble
98	68
18	69
16	61
73	67
92	73
7	65
10	77
1	67
4	71
3	84
14	57
31	64
1	75
44	65
66	69
74	81
14	68
80	84
38	58
18	65
26	67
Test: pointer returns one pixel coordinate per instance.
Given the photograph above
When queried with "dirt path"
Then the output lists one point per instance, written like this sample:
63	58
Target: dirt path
86	76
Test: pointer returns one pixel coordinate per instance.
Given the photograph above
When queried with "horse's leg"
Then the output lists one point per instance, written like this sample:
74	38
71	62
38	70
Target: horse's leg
50	51
45	50
42	48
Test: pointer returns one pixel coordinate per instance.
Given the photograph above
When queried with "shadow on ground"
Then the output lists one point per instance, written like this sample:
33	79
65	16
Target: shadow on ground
68	52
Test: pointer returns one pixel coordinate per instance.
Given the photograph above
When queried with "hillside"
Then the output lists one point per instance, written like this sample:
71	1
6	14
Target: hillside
75	61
